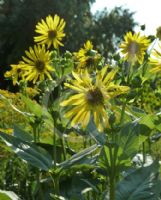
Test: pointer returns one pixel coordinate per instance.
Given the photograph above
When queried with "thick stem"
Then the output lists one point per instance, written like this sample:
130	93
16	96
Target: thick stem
112	188
54	147
112	174
63	147
35	133
56	185
123	112
144	153
39	184
55	180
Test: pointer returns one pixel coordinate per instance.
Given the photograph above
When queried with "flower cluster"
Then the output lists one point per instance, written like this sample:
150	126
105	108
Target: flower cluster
37	63
93	88
87	58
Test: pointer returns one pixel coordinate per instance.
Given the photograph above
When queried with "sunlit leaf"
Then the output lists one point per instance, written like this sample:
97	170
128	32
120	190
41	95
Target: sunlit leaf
140	184
29	152
8	195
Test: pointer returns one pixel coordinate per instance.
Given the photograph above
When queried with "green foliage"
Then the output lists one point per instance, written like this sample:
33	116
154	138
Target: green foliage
38	160
130	139
140	184
8	195
79	158
36	156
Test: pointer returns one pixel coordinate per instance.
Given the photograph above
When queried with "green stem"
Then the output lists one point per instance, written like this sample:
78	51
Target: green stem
55	180
144	153
123	112
63	147
57	185
112	189
54	146
35	133
112	175
39	184
149	143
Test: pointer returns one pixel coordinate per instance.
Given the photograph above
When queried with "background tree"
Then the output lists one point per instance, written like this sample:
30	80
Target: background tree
109	28
19	17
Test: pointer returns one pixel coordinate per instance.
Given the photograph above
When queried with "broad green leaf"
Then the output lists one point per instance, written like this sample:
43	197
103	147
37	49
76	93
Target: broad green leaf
137	112
32	106
130	138
4	196
37	110
79	158
93	132
148	120
142	184
31	153
22	134
8	195
91	185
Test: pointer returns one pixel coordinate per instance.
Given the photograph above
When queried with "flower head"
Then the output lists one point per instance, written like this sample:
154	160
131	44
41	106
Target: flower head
155	59
134	47
15	73
87	57
92	97
37	64
51	31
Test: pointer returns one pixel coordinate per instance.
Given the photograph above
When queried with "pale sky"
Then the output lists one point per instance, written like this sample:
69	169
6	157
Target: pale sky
147	12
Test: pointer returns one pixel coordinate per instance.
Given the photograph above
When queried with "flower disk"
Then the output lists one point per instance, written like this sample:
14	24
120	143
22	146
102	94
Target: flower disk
51	31
91	97
134	47
37	64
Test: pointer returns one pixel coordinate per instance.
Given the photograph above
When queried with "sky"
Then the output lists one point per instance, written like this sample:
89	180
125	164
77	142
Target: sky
146	11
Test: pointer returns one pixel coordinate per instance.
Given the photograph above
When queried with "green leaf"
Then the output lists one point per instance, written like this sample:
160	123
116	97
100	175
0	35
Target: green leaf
32	106
148	120
22	134
142	184
37	110
4	196
93	132
137	112
8	195
34	155
130	139
79	158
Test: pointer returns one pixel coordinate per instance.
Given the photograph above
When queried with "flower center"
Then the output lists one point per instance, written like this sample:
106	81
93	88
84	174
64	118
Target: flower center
94	97
133	48
40	65
90	61
52	34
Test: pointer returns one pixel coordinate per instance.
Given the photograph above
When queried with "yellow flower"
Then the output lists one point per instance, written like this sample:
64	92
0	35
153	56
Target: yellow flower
155	60
134	47
37	64
15	73
92	97
87	57
51	31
